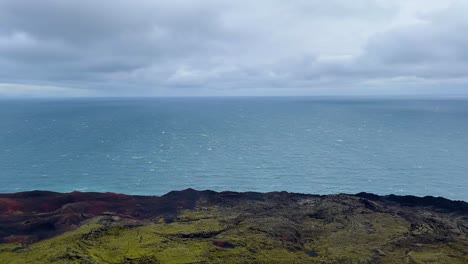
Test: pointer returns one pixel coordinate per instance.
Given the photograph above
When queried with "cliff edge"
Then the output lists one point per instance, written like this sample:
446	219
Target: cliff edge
192	226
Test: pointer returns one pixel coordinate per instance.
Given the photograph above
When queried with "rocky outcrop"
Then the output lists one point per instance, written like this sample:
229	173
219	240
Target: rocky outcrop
36	215
209	227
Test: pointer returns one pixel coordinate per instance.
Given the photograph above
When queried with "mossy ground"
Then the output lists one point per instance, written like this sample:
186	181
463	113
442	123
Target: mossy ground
300	231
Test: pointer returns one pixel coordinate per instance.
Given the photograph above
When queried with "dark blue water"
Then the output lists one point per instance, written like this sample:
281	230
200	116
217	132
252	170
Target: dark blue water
310	145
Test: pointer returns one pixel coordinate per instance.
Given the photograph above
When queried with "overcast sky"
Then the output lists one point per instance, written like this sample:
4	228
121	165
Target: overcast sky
262	47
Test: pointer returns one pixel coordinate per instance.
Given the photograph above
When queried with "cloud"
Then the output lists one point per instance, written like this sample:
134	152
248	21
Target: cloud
433	50
23	90
212	47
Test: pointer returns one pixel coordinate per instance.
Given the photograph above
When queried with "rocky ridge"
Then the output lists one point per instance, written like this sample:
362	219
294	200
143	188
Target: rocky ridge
228	227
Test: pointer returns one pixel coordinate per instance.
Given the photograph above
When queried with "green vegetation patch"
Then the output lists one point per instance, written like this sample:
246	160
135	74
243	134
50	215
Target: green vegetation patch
255	232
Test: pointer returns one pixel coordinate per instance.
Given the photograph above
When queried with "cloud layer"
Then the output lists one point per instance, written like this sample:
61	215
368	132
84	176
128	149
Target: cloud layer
151	47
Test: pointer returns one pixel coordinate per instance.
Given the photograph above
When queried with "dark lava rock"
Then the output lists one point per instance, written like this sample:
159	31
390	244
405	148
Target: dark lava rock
311	253
31	216
266	226
223	244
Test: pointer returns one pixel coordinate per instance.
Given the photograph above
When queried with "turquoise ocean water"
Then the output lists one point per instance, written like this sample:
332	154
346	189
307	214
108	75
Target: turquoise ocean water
310	145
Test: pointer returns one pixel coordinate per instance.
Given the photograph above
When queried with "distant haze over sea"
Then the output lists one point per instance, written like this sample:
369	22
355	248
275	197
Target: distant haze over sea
297	144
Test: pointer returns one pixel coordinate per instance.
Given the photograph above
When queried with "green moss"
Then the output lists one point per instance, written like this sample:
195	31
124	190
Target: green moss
358	237
270	237
185	228
436	253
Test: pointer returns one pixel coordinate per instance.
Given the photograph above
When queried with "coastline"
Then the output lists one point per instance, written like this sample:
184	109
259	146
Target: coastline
192	226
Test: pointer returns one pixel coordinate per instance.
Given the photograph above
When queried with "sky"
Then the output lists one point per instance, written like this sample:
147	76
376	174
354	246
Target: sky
65	48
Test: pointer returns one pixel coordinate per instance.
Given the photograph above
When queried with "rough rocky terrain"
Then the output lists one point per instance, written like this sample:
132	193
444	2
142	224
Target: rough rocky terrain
208	227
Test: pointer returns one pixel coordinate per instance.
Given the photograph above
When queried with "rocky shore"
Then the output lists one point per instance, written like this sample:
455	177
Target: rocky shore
209	227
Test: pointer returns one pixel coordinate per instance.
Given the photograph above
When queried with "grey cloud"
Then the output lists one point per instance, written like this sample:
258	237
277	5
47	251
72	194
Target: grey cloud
222	47
20	46
431	52
431	41
435	48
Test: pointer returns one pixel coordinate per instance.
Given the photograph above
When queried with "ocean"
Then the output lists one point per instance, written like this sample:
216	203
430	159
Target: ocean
296	144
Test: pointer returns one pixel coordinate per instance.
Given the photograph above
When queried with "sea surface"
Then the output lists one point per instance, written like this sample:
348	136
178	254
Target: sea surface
297	144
